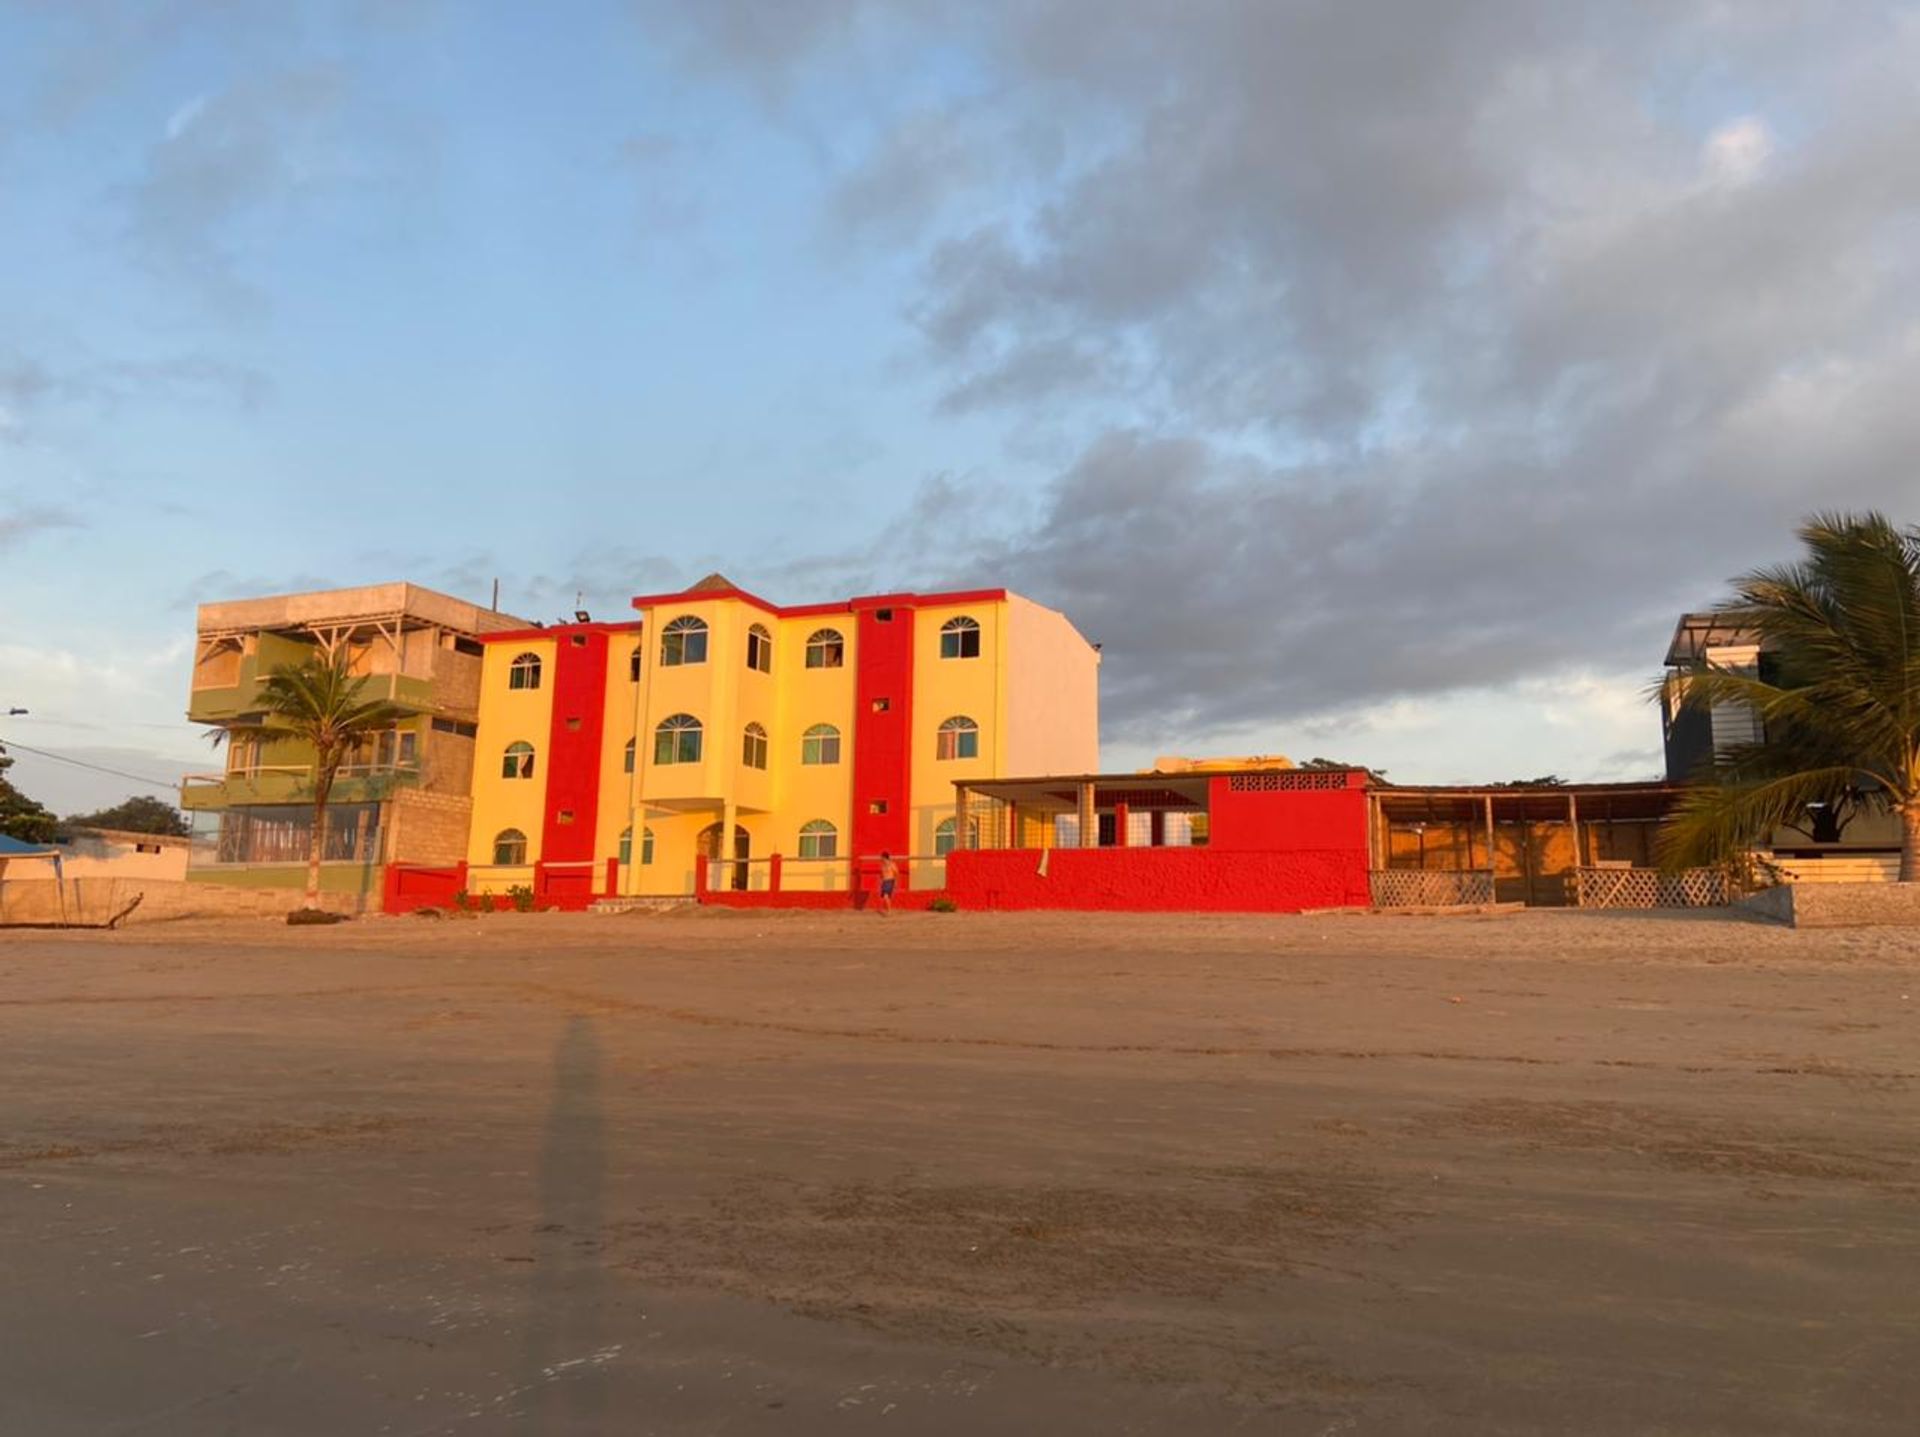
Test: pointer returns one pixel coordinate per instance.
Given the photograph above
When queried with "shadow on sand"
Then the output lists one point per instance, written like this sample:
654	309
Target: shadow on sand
565	1333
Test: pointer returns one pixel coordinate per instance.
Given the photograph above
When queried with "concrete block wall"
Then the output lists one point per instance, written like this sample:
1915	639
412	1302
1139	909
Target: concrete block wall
428	828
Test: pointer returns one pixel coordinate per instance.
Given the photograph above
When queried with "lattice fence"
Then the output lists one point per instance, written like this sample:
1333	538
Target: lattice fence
1430	887
1651	888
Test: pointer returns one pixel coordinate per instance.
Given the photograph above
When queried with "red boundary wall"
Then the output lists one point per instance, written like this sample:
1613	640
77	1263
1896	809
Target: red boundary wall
570	888
1159	880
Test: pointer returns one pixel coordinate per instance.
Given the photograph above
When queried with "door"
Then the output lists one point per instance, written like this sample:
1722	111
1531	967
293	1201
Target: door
736	871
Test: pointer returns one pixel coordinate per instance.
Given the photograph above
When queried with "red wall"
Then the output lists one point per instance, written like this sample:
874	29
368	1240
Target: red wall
882	751
1253	819
573	755
1173	880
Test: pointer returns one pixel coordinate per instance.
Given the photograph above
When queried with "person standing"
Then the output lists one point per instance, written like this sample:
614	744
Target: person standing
889	877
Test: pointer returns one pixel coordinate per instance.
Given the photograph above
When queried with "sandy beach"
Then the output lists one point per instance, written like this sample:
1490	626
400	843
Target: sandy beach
739	1173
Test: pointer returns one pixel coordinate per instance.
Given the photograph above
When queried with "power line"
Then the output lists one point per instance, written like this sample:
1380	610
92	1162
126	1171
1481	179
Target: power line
169	786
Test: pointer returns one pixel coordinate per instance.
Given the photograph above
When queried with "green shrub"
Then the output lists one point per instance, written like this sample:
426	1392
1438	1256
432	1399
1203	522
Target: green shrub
462	899
943	905
521	896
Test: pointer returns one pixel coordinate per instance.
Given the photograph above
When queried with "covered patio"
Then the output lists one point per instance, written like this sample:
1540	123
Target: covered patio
1546	845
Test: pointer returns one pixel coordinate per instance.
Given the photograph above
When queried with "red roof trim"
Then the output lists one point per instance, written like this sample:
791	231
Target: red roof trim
521	636
802	611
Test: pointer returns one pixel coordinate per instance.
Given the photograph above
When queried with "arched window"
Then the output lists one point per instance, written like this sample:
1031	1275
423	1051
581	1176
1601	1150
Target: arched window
524	672
959	737
626	846
646	847
820	744
626	761
510	848
517	761
677	740
819	839
633	665
684	641
960	638
943	843
826	649
759	648
753	749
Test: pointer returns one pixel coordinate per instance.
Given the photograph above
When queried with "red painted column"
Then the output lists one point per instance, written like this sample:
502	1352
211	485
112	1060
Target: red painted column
882	728
773	874
1119	825
613	877
699	874
573	744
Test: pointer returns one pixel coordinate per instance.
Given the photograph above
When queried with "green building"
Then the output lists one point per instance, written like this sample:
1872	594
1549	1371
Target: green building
402	797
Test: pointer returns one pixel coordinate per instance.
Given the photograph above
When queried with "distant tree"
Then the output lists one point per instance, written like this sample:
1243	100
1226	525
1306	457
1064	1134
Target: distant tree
137	815
320	704
1839	705
1325	763
1546	780
20	816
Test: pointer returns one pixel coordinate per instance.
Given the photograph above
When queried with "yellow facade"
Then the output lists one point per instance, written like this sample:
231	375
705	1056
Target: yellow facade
684	805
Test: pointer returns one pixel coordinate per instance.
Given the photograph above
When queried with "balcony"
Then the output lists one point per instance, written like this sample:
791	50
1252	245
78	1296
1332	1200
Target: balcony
227	702
293	784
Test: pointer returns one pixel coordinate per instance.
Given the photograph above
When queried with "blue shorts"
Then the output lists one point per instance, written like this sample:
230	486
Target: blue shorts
886	888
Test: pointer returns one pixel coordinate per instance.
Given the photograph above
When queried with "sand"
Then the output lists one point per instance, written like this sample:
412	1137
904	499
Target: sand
728	1172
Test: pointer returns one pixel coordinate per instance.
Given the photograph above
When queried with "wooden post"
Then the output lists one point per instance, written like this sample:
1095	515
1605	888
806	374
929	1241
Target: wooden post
961	815
1013	826
1573	828
1089	819
1492	879
1121	815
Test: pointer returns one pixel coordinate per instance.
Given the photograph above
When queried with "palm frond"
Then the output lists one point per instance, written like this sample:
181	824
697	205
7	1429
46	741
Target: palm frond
1716	823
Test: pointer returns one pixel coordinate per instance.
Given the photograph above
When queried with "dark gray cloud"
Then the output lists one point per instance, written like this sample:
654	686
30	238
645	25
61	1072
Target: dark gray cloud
1400	348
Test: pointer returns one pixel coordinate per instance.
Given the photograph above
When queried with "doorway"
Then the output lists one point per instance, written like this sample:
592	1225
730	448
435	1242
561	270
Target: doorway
736	871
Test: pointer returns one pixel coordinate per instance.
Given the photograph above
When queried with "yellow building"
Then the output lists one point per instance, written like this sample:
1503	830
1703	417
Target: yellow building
611	755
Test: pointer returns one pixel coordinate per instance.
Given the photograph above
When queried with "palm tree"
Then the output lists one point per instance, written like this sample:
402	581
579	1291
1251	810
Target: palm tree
1839	703
319	704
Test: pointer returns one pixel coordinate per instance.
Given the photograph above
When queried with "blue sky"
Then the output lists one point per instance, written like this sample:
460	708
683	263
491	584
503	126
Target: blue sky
1369	383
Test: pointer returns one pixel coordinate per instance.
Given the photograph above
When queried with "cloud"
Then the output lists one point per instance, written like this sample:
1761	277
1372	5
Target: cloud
222	160
1393	359
20	523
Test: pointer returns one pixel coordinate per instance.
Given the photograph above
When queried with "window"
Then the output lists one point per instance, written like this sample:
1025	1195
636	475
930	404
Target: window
573	725
820	744
524	673
880	706
959	737
878	805
626	846
646	847
759	649
579	641
960	639
455	726
566	815
826	649
517	761
633	665
626	761
684	641
753	752
510	847
677	740
943	836
819	839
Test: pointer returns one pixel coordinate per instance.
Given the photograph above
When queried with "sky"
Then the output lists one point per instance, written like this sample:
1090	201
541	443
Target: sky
1376	381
